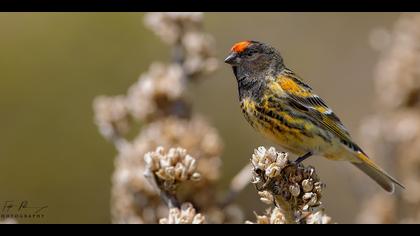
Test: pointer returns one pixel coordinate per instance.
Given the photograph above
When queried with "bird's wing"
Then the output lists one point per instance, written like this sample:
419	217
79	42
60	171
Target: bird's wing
300	96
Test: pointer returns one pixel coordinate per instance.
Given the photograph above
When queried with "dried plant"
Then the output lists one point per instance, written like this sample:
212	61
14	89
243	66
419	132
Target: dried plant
294	189
165	171
193	49
186	215
272	216
112	118
158	103
173	167
393	133
157	93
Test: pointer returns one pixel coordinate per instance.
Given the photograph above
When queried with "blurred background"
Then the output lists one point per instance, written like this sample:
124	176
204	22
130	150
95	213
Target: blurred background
54	64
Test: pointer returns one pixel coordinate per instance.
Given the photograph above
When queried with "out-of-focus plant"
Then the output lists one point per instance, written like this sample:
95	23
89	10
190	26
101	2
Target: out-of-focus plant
393	132
185	215
157	102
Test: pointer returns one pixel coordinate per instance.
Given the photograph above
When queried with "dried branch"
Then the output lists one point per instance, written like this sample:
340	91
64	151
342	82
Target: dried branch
238	183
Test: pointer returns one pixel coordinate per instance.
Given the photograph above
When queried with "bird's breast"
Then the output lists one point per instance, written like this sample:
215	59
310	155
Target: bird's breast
279	125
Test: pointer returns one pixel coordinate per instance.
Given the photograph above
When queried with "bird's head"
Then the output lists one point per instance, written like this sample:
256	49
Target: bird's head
253	58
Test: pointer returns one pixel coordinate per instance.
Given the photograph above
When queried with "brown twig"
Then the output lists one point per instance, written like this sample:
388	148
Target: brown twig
238	183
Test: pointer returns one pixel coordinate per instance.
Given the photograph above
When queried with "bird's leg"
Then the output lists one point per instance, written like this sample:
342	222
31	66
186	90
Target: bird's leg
302	158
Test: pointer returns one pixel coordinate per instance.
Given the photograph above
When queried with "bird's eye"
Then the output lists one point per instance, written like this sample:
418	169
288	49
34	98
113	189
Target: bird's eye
249	53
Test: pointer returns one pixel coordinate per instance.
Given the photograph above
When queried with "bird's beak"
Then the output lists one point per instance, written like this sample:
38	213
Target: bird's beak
232	59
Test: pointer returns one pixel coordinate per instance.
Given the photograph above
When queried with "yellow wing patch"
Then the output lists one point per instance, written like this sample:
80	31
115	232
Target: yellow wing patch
290	86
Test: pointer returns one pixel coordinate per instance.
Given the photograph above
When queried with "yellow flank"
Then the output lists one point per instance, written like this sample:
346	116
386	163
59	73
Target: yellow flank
290	86
290	127
248	104
289	132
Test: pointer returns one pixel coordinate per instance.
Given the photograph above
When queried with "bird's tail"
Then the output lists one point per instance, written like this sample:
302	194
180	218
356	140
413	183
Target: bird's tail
376	173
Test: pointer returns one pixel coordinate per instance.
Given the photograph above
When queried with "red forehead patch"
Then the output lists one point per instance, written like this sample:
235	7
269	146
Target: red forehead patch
241	46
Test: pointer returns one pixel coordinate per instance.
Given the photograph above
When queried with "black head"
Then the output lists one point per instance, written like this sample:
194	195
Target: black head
252	57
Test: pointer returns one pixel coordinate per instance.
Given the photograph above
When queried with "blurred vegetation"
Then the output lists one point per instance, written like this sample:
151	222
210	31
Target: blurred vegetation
54	64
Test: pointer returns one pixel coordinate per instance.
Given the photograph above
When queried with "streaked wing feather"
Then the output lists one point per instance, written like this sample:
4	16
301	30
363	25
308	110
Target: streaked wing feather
313	106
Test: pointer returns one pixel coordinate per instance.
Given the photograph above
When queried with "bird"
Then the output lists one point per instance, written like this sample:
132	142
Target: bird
279	104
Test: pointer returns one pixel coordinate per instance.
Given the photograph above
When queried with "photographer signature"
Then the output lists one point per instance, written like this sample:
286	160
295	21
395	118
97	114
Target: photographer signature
8	207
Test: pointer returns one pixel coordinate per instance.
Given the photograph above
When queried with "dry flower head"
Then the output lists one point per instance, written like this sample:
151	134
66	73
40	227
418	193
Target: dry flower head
172	167
186	215
296	184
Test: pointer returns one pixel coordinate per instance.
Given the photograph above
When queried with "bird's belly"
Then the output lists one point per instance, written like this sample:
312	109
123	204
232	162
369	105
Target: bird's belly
287	140
293	137
294	134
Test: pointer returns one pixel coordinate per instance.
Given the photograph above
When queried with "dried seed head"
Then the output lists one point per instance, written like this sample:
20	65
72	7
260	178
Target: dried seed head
186	215
274	216
307	185
269	160
318	217
277	178
294	190
272	170
173	167
266	197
